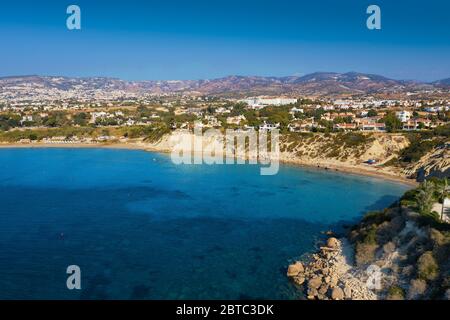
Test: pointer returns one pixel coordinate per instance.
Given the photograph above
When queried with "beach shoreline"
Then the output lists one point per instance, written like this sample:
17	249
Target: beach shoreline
331	167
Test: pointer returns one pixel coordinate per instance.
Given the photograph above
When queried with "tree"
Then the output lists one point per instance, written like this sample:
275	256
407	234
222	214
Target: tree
372	113
392	122
57	119
424	197
238	109
8	121
442	191
80	119
318	113
348	119
328	125
210	109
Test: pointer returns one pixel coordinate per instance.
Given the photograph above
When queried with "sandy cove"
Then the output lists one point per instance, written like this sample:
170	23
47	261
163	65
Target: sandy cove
329	165
359	170
330	273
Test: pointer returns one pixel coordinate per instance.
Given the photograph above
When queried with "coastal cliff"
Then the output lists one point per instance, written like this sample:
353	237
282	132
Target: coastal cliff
435	163
405	156
348	152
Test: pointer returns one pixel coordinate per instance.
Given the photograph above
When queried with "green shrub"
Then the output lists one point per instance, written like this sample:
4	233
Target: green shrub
371	236
427	267
443	131
364	253
416	151
417	288
425	197
375	217
396	293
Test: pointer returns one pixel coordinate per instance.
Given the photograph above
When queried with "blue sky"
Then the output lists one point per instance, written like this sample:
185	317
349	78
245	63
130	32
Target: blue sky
196	39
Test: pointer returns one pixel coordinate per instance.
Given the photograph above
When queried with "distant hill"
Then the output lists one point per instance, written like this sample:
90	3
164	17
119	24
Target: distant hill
442	83
319	83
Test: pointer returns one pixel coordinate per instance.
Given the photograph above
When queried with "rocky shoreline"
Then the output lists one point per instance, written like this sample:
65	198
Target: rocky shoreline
329	274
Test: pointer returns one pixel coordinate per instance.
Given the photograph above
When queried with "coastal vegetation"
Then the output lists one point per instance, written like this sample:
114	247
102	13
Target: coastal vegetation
421	143
150	133
408	243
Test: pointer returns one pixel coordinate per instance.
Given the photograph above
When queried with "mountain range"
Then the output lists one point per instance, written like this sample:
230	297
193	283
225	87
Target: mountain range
319	83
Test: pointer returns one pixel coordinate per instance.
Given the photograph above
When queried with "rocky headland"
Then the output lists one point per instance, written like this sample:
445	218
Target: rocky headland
329	274
402	252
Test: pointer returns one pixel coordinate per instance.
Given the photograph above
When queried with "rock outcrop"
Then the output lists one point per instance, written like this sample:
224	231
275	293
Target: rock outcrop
434	164
328	276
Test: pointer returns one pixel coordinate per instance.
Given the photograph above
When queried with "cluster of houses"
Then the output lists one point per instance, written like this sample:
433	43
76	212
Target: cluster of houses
362	122
97	117
354	121
353	114
343	120
119	117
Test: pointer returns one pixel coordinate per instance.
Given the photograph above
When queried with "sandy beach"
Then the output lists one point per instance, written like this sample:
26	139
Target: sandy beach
361	170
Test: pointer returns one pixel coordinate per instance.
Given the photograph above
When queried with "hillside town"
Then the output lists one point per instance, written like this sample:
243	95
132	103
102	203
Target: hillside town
301	114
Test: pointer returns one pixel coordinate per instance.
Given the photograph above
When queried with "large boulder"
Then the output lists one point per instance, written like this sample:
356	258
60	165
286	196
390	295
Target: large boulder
333	243
315	282
312	294
299	280
295	269
348	292
323	289
334	279
337	294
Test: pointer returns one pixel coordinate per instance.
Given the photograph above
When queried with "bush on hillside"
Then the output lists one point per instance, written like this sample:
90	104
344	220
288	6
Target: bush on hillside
417	288
427	267
365	253
396	293
376	217
425	197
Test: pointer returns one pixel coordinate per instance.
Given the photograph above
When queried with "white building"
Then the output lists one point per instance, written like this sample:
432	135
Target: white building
98	115
436	109
269	126
222	110
262	102
404	116
26	119
236	120
295	110
212	121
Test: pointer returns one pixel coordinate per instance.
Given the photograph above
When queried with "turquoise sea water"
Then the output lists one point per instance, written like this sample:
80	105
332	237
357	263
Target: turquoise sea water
141	227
